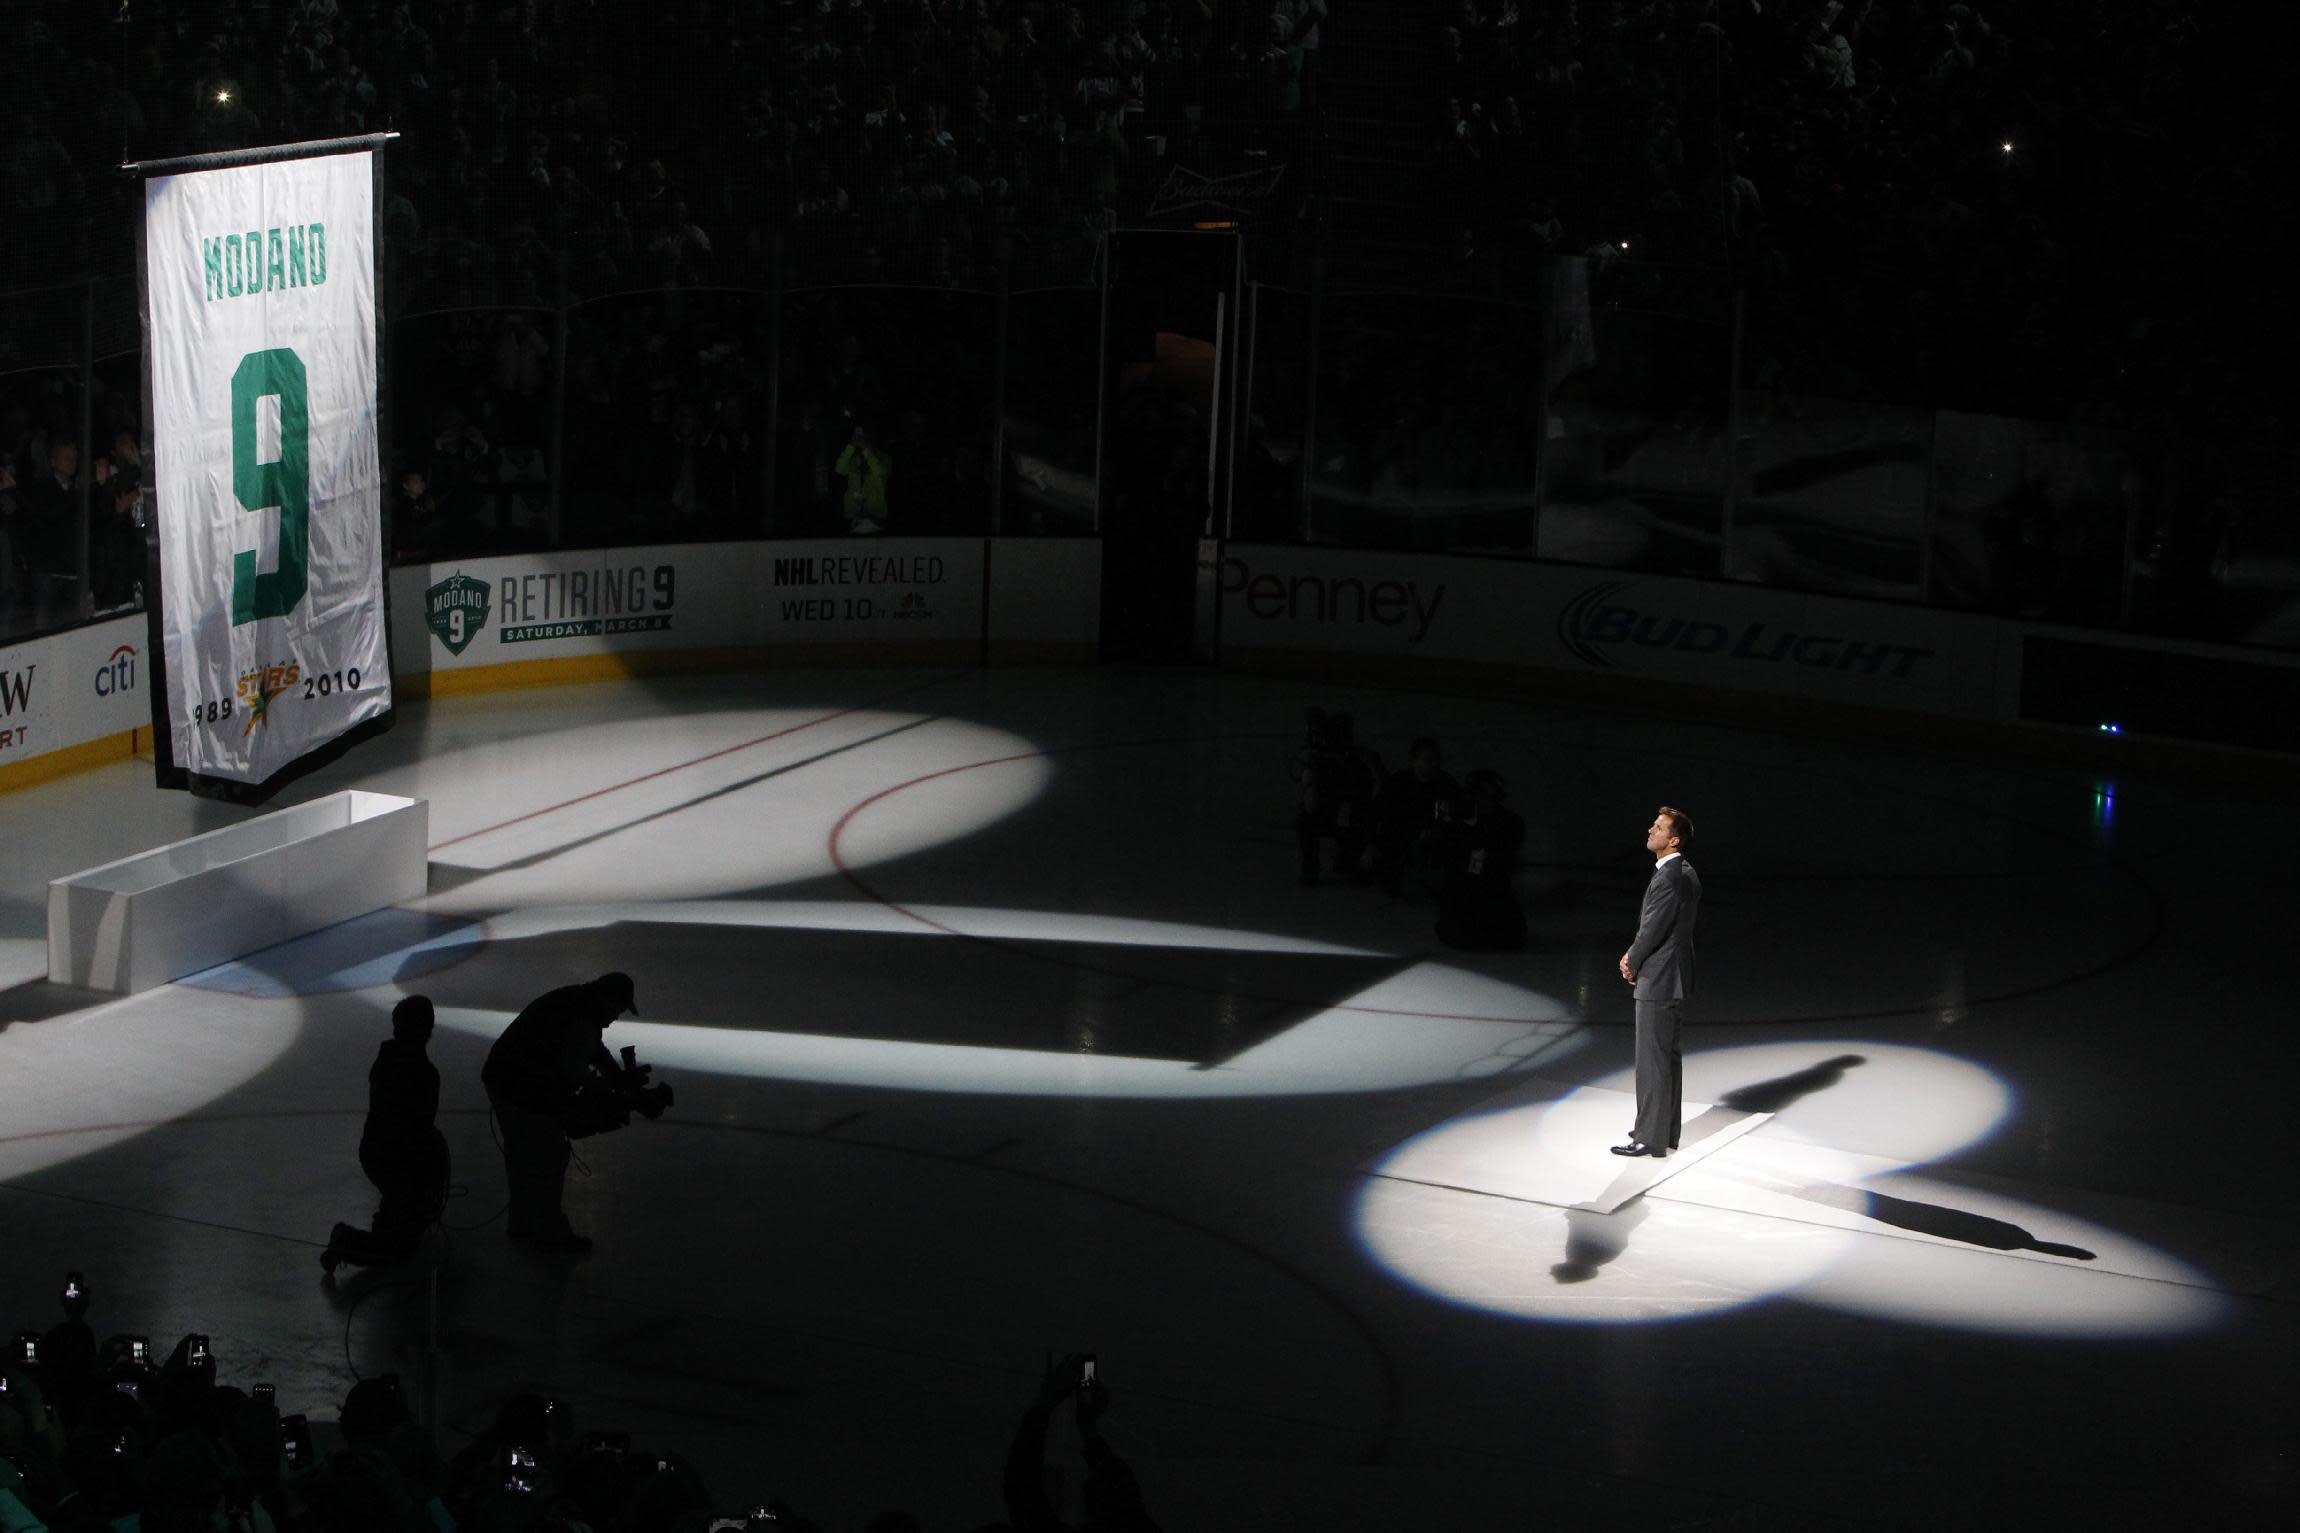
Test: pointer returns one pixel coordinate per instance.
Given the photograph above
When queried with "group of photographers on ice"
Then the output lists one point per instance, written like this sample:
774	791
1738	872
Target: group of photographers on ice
1409	829
550	1079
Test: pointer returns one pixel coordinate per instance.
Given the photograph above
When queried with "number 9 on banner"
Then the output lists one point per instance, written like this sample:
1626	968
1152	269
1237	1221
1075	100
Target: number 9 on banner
284	483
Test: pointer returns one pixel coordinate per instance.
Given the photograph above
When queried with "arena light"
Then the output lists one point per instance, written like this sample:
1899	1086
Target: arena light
691	804
1818	1206
126	1072
1652	1260
1421	1023
1930	1250
124	1067
703	804
1887	1100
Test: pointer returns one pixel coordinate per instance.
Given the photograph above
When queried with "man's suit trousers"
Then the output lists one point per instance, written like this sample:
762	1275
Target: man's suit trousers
1660	1075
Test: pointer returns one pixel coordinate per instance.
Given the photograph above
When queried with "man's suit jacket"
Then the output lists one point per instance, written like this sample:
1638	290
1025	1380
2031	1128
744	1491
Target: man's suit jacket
1662	955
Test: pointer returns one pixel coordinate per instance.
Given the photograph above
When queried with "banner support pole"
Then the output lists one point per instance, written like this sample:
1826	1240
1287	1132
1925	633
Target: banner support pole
225	159
82	544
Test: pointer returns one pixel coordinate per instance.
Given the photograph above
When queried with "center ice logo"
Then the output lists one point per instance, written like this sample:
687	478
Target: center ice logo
455	610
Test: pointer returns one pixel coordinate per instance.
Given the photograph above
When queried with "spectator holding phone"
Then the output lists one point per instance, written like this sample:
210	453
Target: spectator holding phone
68	1356
31	1449
382	1476
1113	1495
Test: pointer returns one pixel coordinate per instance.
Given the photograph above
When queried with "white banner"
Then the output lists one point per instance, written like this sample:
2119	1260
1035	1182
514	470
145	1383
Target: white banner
262	355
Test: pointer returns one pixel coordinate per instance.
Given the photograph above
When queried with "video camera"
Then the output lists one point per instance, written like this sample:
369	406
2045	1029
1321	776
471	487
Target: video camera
648	1097
605	1102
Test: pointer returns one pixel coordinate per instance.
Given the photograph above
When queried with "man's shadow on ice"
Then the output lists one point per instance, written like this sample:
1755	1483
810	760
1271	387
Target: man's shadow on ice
1943	1223
1783	1090
1593	1239
1937	1220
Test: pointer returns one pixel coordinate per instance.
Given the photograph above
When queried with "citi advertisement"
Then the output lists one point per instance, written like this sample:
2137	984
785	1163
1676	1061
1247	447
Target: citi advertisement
1559	617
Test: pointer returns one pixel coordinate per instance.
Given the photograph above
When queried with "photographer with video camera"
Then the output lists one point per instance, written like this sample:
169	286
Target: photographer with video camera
550	1079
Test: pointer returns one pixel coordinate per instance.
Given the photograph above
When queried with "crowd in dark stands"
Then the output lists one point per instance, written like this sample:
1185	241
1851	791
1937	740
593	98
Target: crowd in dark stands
2002	206
572	147
44	475
111	1436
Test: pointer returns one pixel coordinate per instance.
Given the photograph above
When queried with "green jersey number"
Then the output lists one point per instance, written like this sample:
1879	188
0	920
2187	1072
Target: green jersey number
284	483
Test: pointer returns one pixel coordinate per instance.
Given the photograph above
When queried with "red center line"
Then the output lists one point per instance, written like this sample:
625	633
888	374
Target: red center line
839	830
633	782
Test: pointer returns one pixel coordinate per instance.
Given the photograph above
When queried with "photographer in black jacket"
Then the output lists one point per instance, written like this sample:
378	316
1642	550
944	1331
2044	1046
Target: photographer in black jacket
400	1147
1477	861
550	1077
1412	808
1338	779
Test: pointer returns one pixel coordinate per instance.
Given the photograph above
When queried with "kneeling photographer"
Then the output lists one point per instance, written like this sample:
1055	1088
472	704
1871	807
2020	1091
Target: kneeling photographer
550	1078
400	1146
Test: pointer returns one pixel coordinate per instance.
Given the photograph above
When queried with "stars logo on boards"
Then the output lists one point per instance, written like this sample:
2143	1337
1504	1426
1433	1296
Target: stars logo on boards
455	610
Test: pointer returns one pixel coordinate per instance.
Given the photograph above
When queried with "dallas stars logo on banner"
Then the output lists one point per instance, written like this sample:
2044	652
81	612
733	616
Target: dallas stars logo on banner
260	348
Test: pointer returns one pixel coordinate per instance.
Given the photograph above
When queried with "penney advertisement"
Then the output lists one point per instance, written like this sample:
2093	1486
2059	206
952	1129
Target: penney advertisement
1602	621
552	606
70	688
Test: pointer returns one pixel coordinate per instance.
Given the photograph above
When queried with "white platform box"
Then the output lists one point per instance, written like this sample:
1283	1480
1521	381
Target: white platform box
145	920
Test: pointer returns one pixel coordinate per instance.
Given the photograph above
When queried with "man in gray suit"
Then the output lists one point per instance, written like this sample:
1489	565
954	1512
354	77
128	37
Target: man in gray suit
1660	965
